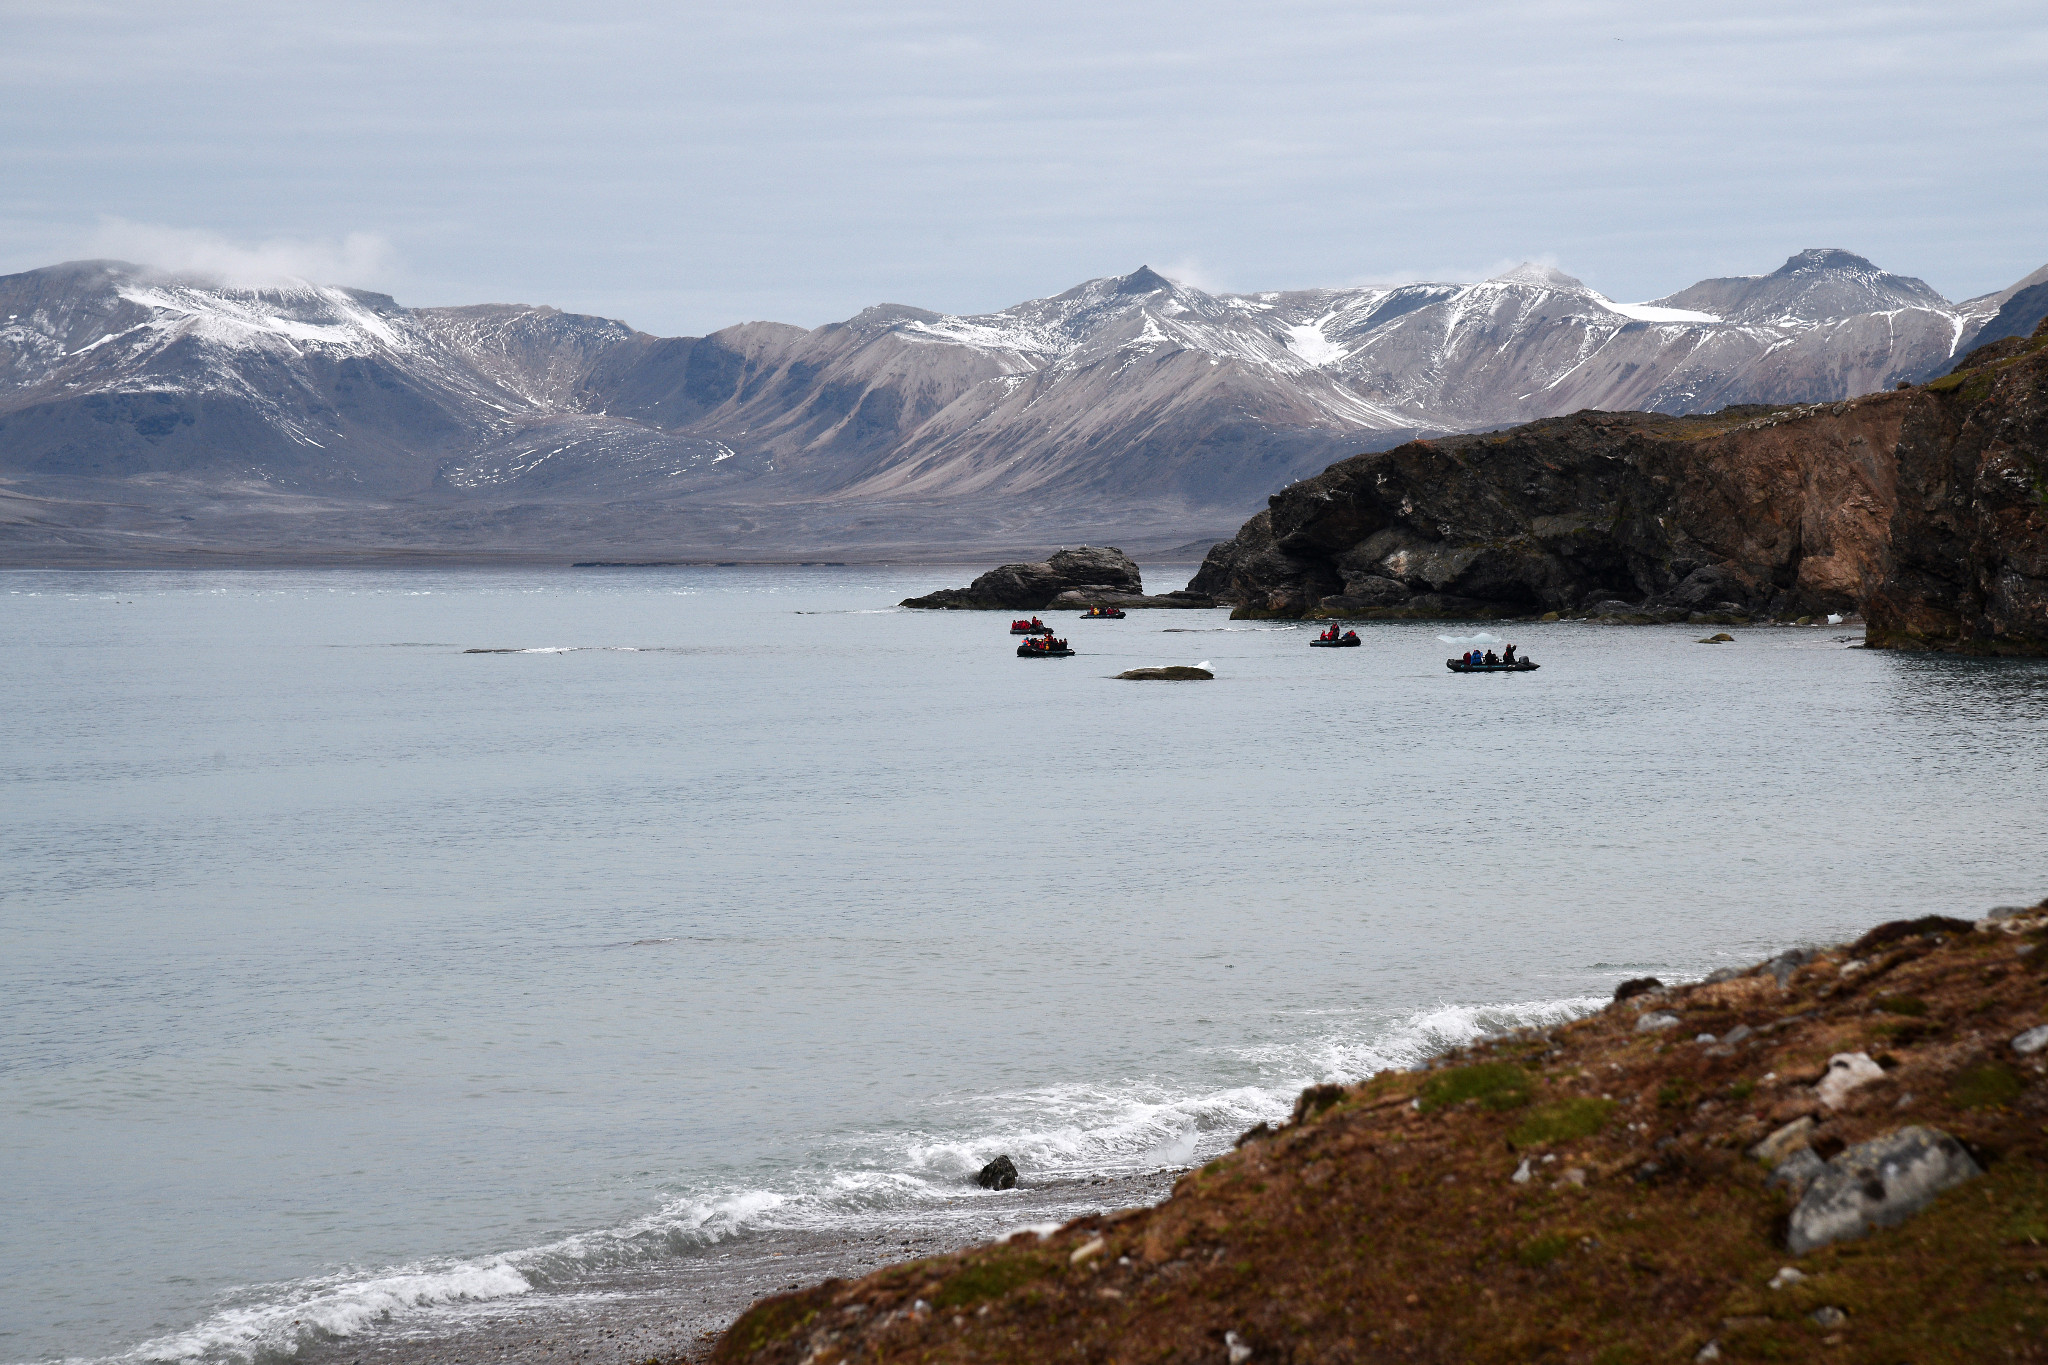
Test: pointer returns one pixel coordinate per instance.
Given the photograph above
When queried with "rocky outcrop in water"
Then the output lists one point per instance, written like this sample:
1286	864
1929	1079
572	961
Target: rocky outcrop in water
1171	673
1925	508
1070	578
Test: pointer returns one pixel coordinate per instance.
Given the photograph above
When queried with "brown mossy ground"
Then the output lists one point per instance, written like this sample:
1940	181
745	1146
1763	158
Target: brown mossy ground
1384	1223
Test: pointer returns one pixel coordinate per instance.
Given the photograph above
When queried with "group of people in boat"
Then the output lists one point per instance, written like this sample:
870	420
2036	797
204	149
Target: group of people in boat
1032	627
1331	636
1044	644
1476	659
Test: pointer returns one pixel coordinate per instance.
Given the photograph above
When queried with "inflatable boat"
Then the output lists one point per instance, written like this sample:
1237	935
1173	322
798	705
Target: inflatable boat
1518	666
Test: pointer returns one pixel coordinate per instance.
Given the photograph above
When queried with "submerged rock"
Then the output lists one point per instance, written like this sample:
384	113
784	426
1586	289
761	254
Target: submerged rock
1174	673
1878	1184
1000	1174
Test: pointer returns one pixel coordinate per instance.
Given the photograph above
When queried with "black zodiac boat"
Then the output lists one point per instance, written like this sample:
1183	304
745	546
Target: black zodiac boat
1330	639
1518	666
1043	647
1103	614
1032	627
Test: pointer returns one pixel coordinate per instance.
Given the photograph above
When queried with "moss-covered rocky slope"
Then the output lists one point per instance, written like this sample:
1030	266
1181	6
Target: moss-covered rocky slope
1586	1194
1925	508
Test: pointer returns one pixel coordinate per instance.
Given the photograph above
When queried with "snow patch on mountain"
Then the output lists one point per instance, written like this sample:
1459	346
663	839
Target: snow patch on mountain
1650	312
1307	340
232	318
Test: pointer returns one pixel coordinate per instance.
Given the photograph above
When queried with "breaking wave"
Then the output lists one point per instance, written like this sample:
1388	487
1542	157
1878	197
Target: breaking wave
1068	1132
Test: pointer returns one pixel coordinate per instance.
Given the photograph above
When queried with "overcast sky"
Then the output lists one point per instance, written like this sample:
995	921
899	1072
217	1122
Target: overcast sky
688	166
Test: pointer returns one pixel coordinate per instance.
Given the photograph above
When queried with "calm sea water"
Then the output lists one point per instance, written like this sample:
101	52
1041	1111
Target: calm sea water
350	977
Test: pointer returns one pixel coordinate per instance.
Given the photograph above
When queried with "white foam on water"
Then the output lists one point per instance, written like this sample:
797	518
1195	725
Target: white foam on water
1348	1053
1482	638
1081	1129
286	1317
297	1314
1070	1131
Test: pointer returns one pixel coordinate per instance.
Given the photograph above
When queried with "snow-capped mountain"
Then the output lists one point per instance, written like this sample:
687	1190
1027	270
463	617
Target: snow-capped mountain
1536	342
1125	401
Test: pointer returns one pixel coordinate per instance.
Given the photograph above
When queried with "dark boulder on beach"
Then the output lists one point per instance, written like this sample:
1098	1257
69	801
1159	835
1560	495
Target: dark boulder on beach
1641	985
1000	1174
1087	577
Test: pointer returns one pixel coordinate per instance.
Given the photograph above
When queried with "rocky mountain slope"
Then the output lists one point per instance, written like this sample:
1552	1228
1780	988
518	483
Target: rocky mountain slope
140	414
1834	1156
1926	508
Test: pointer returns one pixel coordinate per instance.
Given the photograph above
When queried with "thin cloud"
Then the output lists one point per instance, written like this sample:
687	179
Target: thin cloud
360	258
1191	272
1457	274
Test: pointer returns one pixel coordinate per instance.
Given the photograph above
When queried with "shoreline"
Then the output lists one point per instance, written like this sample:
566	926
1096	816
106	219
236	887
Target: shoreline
1707	1170
675	1309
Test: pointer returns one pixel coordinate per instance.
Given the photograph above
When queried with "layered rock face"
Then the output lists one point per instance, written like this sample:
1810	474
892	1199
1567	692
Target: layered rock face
1746	512
1922	507
1968	566
1071	578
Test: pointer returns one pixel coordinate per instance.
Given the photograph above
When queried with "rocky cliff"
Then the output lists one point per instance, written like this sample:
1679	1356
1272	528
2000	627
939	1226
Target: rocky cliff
1967	564
1922	507
1835	1155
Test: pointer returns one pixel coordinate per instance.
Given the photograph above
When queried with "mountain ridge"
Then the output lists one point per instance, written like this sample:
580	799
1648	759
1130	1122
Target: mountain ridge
144	410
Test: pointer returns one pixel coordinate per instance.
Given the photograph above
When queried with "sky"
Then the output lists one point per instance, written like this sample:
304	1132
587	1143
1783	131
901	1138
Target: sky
690	166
